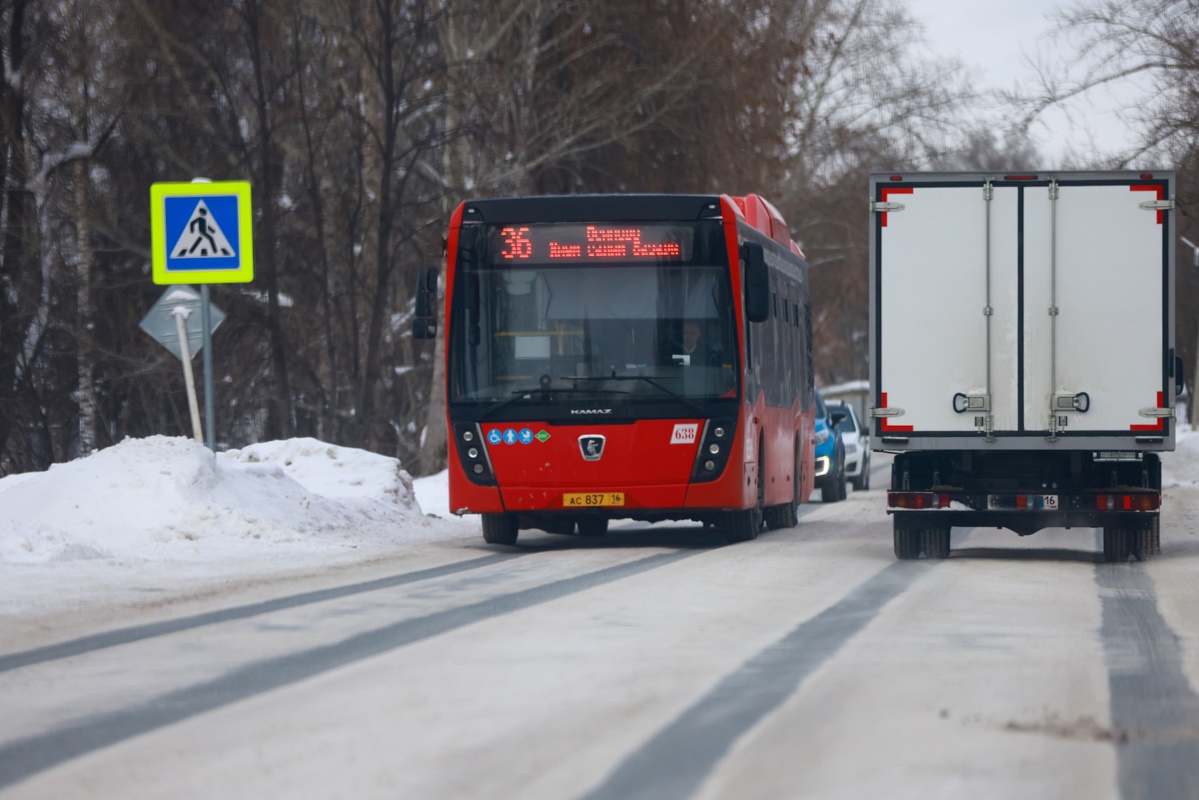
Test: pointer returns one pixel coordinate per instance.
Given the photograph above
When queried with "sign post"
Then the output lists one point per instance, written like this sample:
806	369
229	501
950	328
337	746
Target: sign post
201	232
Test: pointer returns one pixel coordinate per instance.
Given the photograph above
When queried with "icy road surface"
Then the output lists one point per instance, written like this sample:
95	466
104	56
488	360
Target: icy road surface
652	663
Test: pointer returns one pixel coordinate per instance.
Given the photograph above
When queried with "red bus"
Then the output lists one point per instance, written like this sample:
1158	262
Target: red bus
625	356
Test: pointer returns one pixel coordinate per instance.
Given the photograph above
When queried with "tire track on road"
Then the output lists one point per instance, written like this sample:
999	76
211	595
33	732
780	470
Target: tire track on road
137	633
25	758
1154	710
673	764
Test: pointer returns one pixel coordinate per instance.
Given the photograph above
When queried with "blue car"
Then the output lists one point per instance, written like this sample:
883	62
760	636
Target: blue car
830	456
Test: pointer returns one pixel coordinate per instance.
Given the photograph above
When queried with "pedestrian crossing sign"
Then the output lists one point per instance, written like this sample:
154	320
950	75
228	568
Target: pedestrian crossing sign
201	232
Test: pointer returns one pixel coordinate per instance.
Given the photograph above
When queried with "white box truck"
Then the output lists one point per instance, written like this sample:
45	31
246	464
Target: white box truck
1022	352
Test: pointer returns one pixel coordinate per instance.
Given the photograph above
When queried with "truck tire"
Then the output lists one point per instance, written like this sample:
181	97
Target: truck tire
936	542
1115	545
500	528
1157	535
907	543
1140	544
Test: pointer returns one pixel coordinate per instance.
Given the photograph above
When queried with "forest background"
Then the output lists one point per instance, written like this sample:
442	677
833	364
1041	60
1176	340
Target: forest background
362	123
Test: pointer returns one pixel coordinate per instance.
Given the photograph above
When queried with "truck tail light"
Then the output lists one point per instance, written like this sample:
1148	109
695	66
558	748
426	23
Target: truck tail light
917	500
1141	501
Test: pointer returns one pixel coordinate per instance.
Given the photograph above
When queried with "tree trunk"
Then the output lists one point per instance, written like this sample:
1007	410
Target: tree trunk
83	276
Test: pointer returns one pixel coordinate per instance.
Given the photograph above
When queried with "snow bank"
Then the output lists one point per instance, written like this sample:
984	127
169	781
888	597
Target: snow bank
1181	467
164	498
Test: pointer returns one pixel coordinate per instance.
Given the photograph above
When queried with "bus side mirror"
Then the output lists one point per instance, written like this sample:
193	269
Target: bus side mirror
757	282
424	326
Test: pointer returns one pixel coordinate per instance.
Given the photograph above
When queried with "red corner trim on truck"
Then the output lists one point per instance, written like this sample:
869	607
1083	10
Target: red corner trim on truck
1160	425
883	424
882	217
1161	195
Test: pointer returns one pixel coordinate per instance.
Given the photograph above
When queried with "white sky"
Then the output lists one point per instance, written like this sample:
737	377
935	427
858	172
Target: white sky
999	40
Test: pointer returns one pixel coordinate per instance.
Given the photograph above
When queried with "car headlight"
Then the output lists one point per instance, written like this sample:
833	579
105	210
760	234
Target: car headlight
821	436
851	449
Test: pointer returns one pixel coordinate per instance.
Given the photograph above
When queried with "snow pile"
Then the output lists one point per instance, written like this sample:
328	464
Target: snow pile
1181	467
164	498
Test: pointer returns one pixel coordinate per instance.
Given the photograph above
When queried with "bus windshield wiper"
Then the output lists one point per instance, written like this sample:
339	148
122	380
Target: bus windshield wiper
545	391
691	404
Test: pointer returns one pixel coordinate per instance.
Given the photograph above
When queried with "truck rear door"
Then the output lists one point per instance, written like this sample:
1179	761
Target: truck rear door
1025	307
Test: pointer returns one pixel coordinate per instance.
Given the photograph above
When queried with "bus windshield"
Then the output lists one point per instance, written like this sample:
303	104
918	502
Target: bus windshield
618	312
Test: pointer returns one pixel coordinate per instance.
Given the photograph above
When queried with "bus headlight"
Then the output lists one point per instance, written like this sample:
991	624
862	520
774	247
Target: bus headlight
712	454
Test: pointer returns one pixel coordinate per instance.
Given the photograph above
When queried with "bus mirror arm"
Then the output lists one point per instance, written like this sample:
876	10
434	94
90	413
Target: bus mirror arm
757	282
424	323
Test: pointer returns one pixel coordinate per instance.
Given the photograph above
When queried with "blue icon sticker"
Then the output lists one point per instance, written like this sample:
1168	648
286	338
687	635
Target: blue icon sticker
526	436
494	436
509	436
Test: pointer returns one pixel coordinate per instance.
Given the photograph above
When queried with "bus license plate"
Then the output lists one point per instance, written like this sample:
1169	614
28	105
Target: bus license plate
592	499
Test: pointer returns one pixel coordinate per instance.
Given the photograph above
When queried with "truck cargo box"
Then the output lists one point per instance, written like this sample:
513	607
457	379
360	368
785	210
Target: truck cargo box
1021	311
1023	314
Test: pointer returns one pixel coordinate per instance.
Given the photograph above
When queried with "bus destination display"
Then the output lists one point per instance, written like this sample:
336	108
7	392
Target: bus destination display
577	244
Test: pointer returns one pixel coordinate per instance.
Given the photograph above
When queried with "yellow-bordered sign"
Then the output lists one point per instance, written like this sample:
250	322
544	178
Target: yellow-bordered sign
201	232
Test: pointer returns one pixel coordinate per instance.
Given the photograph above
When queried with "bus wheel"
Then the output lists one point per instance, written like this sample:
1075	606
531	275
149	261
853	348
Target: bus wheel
500	528
593	526
741	526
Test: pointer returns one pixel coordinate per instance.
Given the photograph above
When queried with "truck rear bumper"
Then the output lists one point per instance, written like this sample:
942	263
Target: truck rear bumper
1023	522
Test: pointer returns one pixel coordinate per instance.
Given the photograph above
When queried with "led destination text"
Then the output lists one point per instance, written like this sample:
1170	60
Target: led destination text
581	243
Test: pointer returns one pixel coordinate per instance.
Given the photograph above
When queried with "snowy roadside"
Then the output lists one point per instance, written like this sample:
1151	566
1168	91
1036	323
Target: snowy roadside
158	518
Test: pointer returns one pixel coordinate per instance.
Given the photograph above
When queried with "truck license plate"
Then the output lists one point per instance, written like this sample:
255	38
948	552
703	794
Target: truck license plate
592	499
1023	502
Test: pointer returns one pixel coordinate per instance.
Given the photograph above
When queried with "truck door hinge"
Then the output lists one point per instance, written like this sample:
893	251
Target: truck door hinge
1157	412
886	412
888	206
1158	205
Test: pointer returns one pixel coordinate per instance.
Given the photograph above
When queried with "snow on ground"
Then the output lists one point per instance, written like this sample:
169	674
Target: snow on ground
166	511
167	499
1181	468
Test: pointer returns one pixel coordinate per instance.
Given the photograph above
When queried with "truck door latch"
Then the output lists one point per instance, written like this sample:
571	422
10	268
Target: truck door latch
963	402
1080	402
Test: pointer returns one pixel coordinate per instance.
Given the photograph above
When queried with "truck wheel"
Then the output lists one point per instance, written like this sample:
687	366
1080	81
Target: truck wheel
1157	535
1140	544
936	542
907	543
500	528
593	526
1115	545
